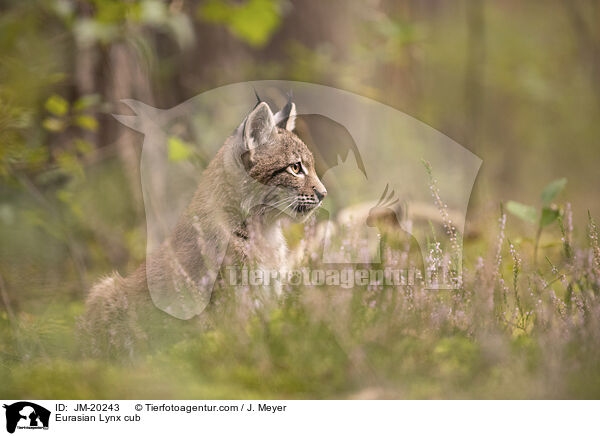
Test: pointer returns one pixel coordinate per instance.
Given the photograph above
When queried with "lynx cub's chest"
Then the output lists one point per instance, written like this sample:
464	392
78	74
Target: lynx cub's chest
269	253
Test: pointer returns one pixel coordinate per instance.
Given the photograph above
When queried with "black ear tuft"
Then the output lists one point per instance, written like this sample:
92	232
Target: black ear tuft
258	100
286	117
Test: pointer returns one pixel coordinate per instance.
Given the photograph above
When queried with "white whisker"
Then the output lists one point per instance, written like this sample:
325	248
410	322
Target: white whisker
290	205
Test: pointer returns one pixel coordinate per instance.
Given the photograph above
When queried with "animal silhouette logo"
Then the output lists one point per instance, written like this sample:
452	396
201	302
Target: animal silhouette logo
378	145
384	217
26	415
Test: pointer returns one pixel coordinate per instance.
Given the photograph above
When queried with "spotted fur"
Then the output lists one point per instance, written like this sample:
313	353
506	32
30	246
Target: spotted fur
242	197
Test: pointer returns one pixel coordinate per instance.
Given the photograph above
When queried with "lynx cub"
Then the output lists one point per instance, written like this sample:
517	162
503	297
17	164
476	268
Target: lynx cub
261	174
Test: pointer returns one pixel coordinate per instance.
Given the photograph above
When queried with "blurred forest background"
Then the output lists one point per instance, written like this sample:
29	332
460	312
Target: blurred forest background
517	83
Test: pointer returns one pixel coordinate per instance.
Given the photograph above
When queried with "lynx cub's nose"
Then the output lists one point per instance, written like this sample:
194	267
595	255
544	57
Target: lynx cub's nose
320	194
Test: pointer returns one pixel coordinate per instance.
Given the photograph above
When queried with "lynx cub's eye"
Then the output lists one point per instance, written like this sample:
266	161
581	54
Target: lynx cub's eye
295	168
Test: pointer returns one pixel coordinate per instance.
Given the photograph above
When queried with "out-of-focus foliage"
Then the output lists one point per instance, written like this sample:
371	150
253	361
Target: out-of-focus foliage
107	21
179	149
254	21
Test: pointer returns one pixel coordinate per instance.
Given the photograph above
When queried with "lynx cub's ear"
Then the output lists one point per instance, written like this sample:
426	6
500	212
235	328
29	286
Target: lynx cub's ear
259	127
286	117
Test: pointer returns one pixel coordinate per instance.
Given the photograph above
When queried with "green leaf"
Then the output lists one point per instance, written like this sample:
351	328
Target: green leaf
83	146
179	150
57	105
86	101
68	198
549	215
87	122
427	166
53	124
526	213
253	21
552	190
69	163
